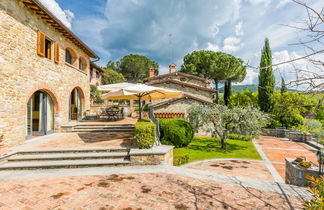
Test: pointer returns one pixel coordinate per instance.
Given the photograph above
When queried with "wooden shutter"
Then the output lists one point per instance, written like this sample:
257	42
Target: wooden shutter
56	52
41	43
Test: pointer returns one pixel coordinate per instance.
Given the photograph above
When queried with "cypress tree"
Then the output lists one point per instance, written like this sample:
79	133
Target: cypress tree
227	91
283	86
266	80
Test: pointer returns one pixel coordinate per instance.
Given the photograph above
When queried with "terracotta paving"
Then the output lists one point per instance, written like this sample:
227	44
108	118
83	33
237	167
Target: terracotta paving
136	191
277	150
251	169
74	140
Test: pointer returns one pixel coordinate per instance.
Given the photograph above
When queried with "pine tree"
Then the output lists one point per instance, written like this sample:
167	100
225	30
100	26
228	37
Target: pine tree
266	80
283	86
227	91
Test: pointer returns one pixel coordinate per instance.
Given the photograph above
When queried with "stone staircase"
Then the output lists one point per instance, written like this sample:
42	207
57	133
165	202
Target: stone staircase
66	158
99	127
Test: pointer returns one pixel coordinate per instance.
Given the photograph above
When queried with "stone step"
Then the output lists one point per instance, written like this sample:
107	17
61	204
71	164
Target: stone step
104	127
23	165
74	150
68	156
78	130
105	124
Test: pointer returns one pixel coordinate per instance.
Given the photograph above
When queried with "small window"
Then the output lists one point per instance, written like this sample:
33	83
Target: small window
68	57
81	65
48	48
98	74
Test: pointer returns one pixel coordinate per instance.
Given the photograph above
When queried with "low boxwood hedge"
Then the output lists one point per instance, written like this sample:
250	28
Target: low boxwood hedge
177	132
235	136
145	134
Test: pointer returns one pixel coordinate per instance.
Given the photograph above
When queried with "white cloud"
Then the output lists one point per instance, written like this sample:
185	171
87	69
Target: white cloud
239	29
212	47
282	3
251	77
143	27
232	44
266	2
65	16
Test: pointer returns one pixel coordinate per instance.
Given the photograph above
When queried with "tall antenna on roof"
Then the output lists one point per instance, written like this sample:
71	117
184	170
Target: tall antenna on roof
171	48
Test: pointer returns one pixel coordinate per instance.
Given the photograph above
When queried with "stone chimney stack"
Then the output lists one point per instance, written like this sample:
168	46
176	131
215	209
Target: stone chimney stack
172	68
153	72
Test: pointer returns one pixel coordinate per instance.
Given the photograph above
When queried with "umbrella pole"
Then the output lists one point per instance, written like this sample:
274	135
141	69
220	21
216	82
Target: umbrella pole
140	107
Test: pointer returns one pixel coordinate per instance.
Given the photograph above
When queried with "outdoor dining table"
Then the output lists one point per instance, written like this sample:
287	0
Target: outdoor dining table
112	114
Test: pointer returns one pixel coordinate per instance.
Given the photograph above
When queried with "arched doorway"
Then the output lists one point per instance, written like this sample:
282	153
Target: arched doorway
76	104
40	114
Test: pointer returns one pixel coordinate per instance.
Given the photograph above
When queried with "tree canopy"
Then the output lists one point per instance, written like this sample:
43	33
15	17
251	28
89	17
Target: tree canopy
217	66
134	67
266	80
221	120
111	76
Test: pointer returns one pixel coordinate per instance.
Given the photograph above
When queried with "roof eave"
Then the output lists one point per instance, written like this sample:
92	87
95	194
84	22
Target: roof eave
83	46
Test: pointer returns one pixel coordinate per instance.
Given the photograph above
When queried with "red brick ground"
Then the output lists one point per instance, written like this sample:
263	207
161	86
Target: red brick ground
251	169
277	150
74	140
136	191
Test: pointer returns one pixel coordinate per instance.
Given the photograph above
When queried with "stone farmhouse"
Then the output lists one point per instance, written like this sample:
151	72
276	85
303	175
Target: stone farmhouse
44	72
95	74
195	89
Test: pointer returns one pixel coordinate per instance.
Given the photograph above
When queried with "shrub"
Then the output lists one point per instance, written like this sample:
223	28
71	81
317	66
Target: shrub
144	120
235	136
305	164
145	134
180	160
317	189
177	132
312	125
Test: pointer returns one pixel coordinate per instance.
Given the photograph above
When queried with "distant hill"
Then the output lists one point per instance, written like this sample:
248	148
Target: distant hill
241	88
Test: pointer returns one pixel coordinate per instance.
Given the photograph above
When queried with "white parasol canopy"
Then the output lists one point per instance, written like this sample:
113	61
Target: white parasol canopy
129	91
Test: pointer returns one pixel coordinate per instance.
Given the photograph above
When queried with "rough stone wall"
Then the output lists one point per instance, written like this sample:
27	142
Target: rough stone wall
22	71
177	106
296	175
188	80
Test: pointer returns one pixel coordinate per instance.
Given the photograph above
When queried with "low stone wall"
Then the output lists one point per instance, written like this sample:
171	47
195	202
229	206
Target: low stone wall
297	175
159	155
286	133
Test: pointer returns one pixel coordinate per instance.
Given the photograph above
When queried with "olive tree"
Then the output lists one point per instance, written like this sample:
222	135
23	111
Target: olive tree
220	120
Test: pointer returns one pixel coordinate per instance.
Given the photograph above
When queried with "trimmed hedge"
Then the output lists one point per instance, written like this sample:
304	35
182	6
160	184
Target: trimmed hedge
177	132
145	134
235	136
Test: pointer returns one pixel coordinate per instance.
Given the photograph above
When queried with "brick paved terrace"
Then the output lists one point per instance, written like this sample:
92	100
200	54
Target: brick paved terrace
135	191
277	150
246	168
75	140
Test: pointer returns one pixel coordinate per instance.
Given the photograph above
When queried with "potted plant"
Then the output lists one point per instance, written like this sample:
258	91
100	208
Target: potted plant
3	149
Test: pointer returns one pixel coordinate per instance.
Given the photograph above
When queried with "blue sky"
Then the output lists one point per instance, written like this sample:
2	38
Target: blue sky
114	28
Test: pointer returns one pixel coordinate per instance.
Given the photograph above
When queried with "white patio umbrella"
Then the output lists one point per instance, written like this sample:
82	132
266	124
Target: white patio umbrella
116	86
129	91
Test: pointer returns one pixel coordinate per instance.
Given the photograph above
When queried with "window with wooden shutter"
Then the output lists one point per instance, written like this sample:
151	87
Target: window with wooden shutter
56	52
41	43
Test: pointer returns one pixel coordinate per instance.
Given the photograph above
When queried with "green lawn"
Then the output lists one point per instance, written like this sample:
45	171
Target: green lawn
208	148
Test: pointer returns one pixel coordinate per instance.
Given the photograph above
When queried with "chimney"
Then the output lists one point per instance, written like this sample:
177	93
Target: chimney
153	72
172	68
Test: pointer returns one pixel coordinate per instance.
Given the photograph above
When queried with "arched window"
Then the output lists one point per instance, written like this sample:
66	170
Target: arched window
68	57
81	64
